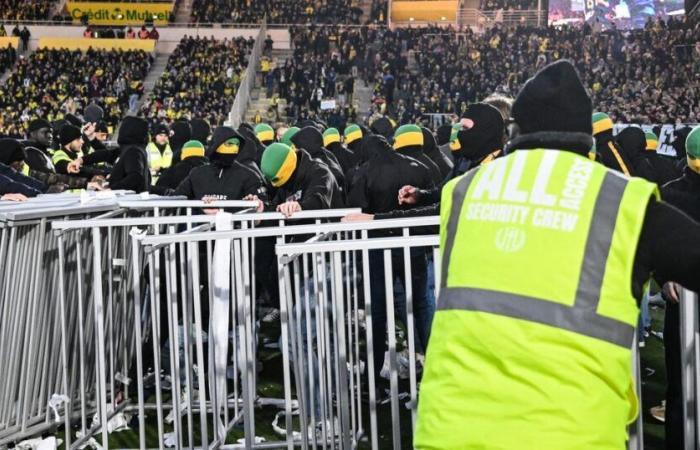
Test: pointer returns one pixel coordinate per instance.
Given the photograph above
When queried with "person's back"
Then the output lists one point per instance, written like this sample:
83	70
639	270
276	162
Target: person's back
311	140
409	140
379	180
545	256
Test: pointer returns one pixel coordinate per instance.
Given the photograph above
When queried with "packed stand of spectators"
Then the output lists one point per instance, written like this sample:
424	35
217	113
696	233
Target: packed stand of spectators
325	65
200	80
25	9
641	76
52	83
509	5
277	11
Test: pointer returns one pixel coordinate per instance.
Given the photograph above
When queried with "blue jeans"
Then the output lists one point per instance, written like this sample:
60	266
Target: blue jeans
423	308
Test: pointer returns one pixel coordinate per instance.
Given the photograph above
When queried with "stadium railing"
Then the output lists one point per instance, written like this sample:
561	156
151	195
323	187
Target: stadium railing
485	19
240	103
98	291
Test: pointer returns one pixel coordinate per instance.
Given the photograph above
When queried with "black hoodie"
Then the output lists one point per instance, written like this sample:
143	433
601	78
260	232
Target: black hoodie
131	170
226	178
430	147
377	182
311	140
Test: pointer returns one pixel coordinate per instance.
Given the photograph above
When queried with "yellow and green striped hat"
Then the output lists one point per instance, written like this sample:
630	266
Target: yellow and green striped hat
192	148
652	141
330	136
408	136
229	147
278	163
455	145
264	133
288	135
601	122
692	148
352	133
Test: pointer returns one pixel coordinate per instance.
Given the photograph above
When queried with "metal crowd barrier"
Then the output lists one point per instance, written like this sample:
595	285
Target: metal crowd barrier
144	307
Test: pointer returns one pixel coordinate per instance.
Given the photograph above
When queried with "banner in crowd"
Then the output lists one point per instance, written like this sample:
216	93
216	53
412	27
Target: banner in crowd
147	45
667	134
106	13
7	40
424	10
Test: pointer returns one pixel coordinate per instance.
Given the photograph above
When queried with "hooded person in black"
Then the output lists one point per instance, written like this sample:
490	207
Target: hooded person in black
12	181
302	182
430	147
131	170
180	132
311	140
252	149
408	140
477	140
191	157
374	190
665	167
224	178
201	130
346	158
632	142
608	151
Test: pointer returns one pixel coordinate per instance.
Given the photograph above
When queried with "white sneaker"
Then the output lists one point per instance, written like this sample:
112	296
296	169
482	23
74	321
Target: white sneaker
272	316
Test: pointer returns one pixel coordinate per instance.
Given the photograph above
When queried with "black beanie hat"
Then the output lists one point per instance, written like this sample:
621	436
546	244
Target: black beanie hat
38	124
161	128
200	130
10	151
68	133
632	140
133	131
383	127
554	100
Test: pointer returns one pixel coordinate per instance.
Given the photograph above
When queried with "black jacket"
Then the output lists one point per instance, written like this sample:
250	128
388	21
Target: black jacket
131	171
12	182
311	140
684	193
312	185
173	176
378	181
416	152
223	182
431	149
346	158
612	155
647	164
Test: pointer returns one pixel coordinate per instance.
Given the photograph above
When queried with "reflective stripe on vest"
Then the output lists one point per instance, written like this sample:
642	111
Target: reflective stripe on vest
580	318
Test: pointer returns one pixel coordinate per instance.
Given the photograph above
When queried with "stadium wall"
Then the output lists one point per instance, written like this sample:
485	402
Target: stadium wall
169	37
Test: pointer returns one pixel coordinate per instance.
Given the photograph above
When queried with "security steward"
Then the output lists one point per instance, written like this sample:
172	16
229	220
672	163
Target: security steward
531	343
160	155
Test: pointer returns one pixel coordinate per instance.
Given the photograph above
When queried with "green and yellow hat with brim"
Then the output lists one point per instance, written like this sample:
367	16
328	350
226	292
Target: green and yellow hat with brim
455	145
230	146
278	163
601	122
288	135
692	148
264	132
191	149
408	136
330	136
352	133
652	141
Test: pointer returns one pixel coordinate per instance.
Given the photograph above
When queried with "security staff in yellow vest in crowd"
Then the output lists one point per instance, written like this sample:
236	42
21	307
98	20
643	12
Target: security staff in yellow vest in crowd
160	155
544	257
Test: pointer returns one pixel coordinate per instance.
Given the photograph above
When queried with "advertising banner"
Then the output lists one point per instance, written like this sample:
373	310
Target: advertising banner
106	13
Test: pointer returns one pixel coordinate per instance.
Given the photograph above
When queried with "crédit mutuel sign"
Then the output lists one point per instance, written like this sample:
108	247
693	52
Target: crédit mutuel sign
106	13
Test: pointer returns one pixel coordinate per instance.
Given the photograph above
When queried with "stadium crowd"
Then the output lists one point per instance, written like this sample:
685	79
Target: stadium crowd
642	76
52	83
25	9
509	5
285	11
200	80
